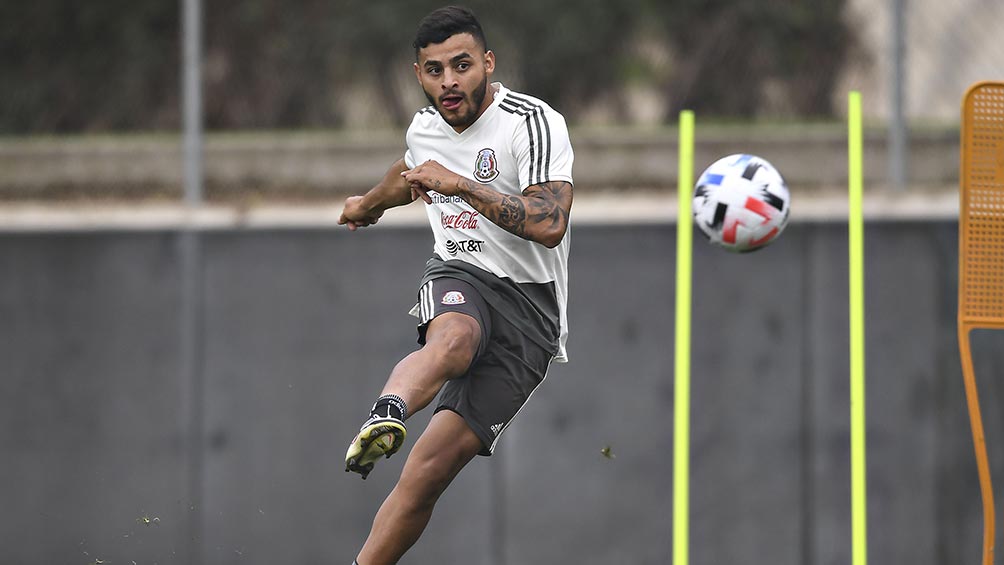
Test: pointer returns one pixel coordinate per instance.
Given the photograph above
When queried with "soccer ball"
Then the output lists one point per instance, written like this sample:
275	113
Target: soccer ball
741	203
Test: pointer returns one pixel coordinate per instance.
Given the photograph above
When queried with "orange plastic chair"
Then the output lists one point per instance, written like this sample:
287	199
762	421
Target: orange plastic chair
981	256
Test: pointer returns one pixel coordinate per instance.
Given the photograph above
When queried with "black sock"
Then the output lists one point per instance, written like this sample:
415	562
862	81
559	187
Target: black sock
390	406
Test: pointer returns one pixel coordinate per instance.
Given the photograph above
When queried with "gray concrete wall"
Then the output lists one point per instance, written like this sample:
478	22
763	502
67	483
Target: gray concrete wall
301	327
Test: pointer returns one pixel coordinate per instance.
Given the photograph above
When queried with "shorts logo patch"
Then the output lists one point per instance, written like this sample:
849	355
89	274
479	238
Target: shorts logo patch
486	166
453	298
496	428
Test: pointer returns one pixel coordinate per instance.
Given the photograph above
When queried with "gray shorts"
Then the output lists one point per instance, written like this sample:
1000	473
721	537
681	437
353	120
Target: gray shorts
506	370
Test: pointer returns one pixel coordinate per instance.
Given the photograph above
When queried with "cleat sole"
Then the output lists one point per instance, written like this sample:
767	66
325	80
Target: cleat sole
381	438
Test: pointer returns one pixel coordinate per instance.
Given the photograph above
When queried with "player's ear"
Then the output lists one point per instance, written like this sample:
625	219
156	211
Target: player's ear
489	62
418	73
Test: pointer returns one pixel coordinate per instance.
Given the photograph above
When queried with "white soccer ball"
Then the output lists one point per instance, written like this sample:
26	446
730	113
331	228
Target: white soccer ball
741	203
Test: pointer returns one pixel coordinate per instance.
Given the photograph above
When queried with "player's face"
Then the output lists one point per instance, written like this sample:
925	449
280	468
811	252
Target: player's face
454	75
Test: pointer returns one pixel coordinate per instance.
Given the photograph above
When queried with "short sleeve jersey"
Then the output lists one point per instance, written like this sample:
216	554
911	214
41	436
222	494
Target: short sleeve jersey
519	141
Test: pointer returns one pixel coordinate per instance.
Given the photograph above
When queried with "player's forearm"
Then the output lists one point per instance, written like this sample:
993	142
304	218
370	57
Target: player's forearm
539	215
391	191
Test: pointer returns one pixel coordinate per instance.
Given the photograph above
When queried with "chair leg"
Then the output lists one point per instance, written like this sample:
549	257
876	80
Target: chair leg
979	443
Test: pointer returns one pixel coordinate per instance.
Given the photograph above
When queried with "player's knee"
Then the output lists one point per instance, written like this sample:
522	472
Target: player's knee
427	474
427	479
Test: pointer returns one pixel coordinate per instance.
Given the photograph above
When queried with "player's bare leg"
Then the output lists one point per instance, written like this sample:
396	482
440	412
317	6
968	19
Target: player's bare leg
452	340
447	445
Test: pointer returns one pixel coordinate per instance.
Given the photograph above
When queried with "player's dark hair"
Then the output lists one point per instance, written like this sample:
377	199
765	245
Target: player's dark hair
446	22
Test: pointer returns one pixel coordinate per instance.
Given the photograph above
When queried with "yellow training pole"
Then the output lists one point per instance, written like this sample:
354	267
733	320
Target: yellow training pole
856	250
681	407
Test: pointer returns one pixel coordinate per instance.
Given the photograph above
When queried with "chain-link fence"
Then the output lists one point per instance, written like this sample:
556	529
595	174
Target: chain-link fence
947	46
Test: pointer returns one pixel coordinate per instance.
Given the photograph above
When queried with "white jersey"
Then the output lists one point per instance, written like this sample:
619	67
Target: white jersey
519	141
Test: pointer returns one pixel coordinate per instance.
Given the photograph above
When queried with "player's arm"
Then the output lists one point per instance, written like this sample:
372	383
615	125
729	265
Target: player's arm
392	190
540	214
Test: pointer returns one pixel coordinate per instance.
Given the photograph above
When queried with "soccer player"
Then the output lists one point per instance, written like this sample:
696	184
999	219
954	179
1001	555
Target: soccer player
493	168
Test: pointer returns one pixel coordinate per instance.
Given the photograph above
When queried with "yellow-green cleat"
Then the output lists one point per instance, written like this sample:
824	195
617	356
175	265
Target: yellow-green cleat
379	436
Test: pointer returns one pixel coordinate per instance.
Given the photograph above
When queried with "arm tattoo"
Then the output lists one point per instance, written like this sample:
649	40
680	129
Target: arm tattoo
512	215
546	204
542	209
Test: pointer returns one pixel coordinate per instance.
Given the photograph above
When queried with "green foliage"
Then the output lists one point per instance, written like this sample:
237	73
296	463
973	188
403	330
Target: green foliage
114	64
69	66
572	56
743	48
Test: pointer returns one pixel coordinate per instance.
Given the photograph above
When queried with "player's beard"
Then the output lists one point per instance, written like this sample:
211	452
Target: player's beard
476	98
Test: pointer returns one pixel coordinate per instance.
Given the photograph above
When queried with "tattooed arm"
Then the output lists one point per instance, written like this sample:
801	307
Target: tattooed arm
539	215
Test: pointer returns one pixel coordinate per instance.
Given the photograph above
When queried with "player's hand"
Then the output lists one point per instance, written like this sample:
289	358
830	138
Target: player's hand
355	214
418	191
430	175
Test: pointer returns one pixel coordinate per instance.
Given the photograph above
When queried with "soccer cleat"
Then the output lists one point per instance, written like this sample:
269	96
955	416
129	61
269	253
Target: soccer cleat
379	436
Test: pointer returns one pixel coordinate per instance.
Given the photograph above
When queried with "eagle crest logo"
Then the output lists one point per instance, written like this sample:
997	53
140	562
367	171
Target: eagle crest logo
486	167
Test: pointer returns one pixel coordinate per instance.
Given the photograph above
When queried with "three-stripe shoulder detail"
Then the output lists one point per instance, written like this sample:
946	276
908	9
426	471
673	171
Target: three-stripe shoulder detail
538	130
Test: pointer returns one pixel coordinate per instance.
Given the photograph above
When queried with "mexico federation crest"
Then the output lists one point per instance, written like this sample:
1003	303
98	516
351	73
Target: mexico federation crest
453	298
486	168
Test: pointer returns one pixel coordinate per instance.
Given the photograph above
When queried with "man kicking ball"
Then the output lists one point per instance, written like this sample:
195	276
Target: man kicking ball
494	169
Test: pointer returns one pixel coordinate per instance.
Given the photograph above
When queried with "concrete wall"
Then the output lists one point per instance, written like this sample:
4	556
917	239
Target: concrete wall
301	327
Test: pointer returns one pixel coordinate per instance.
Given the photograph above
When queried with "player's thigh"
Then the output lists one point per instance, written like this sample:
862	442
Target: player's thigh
453	314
